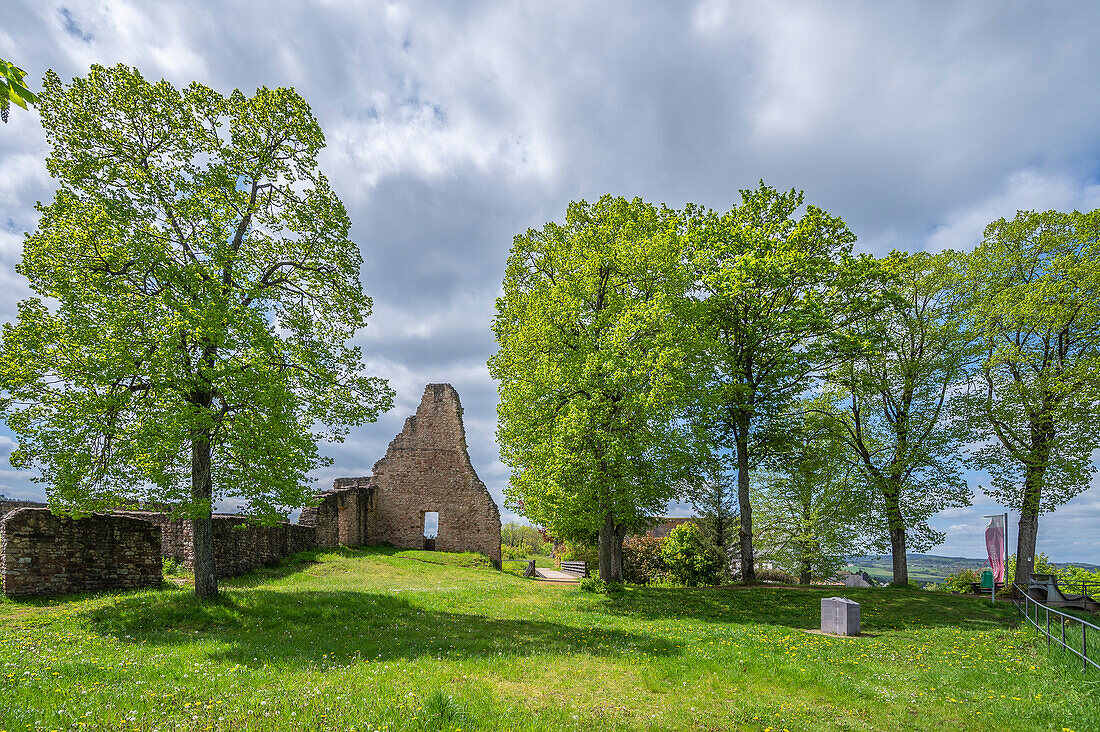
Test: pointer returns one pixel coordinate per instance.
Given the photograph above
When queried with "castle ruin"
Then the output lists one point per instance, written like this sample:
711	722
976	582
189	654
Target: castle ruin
426	471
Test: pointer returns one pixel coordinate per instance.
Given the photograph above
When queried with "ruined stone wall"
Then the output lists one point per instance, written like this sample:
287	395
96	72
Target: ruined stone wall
240	547
175	534
43	554
345	514
427	468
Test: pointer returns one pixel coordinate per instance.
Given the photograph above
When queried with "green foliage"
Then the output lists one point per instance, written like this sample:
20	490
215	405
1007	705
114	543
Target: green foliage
590	367
891	398
172	567
13	89
1076	575
195	290
690	558
714	496
1043	565
521	540
1035	306
642	559
958	581
1033	288
772	286
578	551
810	502
599	586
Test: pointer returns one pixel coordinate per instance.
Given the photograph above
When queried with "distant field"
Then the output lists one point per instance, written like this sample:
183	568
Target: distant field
394	641
927	568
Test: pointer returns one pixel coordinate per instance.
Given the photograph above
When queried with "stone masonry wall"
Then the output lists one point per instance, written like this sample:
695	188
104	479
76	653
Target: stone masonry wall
175	534
427	468
43	554
345	514
239	547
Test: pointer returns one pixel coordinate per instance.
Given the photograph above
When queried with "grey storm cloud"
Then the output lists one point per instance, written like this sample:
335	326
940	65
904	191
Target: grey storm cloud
453	126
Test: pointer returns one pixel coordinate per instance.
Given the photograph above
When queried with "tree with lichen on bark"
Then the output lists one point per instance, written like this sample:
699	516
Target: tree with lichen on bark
196	290
592	353
1033	305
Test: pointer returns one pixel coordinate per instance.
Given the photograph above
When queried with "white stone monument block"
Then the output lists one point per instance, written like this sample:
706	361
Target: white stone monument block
839	616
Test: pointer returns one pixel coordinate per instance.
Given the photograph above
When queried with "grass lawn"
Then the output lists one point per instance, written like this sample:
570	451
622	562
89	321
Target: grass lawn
388	640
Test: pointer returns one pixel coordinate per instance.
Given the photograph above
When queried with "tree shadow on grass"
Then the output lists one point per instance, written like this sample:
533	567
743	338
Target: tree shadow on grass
309	627
880	609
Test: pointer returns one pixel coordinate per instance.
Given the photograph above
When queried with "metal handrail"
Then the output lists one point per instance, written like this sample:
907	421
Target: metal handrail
1025	610
1086	587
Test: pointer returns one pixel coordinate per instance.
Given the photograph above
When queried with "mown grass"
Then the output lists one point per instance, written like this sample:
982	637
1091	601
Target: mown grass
387	640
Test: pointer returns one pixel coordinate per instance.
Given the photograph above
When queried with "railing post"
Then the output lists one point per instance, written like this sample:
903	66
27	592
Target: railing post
1084	650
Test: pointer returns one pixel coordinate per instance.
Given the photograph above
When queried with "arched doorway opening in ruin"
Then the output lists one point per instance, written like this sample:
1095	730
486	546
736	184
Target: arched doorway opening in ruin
430	521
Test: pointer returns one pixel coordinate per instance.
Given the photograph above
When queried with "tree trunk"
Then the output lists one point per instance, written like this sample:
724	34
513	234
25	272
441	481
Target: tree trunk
804	575
741	438
202	529
1029	525
610	550
896	525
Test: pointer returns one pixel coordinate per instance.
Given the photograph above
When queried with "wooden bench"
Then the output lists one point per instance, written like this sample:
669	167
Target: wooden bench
577	568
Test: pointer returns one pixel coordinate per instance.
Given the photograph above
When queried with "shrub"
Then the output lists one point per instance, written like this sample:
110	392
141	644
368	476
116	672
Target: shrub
597	585
691	559
642	559
959	581
172	567
579	552
776	575
512	553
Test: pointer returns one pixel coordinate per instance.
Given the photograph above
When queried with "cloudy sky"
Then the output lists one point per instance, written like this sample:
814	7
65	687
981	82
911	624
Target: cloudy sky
451	127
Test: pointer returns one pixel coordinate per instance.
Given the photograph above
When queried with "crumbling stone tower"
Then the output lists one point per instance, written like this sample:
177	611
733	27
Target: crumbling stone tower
426	470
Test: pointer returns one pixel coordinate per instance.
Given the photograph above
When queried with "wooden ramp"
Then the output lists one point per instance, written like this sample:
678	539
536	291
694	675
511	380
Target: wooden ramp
553	575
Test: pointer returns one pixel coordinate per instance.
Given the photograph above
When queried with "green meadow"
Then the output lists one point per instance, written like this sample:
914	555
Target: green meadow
381	639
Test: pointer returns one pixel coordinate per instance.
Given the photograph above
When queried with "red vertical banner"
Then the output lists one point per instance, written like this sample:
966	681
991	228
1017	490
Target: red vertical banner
995	546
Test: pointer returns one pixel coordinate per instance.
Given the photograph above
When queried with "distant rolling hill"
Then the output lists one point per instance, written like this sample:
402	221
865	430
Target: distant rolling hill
928	568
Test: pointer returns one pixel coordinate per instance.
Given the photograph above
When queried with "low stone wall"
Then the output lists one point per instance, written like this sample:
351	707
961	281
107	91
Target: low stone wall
240	547
43	554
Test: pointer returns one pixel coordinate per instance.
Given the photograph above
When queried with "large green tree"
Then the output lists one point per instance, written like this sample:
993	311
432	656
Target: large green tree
811	503
1034	307
196	290
772	282
592	348
909	356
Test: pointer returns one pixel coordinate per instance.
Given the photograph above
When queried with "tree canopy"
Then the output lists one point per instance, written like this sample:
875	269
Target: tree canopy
812	503
1033	306
772	284
891	398
195	292
592	349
